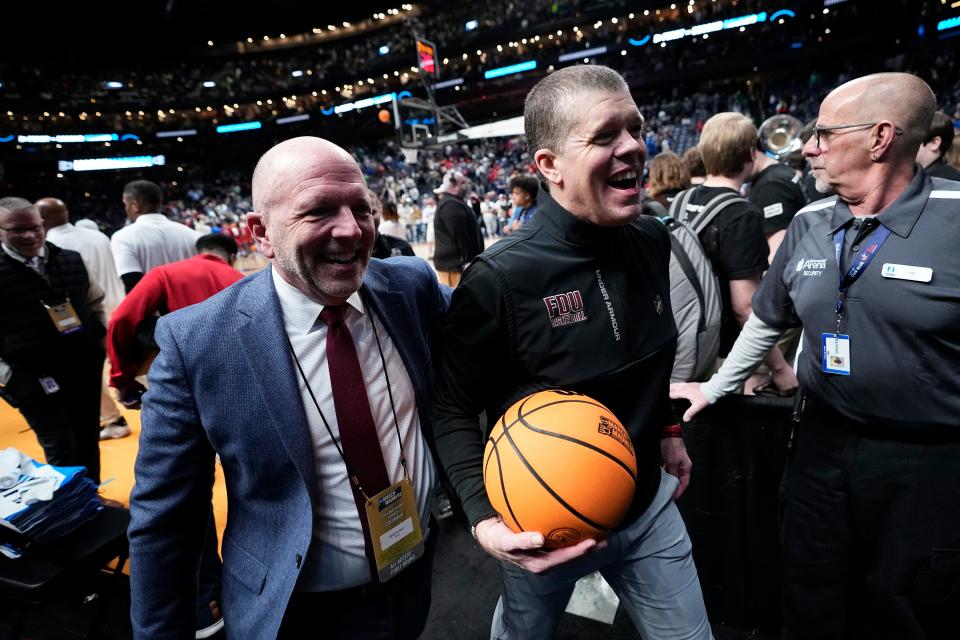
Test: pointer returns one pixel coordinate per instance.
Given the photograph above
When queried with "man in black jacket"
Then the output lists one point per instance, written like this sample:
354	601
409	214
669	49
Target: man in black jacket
457	234
52	328
613	339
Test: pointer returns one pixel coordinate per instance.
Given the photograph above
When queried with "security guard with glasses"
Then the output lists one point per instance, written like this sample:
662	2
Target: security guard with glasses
871	519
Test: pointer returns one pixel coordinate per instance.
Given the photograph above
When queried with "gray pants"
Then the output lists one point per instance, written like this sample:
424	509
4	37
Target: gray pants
649	565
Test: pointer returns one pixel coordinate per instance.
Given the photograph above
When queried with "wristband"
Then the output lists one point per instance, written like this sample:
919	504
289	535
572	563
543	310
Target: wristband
672	431
473	527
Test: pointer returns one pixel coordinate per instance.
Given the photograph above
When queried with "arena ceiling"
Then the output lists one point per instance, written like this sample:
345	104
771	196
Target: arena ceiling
150	29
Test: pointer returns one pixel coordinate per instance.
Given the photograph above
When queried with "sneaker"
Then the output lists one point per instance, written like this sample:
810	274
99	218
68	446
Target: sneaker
116	429
209	621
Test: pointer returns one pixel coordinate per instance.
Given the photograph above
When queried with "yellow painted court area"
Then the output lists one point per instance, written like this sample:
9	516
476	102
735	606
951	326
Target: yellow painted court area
116	458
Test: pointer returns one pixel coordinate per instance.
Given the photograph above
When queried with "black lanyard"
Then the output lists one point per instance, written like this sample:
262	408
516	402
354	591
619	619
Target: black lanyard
403	458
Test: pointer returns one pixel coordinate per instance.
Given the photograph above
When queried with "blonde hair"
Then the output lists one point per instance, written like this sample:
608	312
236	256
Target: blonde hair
668	173
726	143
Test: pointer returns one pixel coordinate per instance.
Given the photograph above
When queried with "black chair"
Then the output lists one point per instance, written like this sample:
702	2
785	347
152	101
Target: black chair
66	570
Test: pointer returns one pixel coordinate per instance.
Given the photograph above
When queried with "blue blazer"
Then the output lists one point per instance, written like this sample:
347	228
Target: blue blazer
224	383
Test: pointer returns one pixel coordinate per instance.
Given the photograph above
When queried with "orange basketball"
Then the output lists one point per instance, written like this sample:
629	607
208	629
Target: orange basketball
383	115
560	463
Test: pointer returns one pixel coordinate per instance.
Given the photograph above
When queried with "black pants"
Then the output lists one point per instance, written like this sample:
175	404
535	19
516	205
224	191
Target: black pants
67	422
871	535
396	610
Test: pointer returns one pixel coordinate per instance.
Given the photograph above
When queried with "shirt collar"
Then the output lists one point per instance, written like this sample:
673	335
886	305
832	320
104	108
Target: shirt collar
300	313
10	251
901	216
150	218
60	229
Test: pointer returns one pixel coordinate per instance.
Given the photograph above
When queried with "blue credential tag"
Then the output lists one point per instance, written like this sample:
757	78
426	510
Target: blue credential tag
836	353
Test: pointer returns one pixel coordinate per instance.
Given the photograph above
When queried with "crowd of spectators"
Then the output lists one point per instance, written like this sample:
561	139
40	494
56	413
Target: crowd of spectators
219	202
306	79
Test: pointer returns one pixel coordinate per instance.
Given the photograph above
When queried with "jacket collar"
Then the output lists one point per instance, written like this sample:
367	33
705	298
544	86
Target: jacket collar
568	227
267	352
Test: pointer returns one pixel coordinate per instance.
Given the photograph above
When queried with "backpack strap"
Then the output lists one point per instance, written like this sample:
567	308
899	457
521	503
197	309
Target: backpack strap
689	271
678	208
712	209
654	208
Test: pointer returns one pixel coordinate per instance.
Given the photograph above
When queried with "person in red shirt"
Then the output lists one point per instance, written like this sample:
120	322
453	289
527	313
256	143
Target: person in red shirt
162	290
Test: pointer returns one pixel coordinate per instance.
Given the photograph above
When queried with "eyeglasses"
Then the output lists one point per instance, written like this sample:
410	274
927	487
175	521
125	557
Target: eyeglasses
20	231
817	129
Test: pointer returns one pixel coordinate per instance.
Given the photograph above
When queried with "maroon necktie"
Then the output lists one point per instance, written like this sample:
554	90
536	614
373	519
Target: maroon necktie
358	433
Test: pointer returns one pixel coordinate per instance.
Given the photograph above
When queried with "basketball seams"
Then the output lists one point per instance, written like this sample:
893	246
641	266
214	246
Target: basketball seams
503	489
506	427
543	484
582	443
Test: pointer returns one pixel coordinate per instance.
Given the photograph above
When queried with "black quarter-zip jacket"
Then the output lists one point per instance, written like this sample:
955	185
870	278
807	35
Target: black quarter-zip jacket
562	303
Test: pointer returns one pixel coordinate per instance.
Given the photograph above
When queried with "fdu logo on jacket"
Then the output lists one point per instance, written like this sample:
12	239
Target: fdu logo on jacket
565	308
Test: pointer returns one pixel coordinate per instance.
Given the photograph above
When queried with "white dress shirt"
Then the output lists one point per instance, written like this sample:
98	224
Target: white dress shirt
337	559
152	240
94	249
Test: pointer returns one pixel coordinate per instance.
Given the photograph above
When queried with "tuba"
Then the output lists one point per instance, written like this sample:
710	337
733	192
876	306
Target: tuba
780	135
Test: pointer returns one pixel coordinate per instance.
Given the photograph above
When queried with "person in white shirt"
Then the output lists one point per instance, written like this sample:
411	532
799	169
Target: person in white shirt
391	225
150	239
94	250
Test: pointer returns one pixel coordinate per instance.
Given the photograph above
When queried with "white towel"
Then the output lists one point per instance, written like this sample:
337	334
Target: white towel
10	461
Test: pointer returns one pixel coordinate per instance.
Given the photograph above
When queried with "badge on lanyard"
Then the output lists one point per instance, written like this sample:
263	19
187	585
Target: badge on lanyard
836	353
394	525
64	317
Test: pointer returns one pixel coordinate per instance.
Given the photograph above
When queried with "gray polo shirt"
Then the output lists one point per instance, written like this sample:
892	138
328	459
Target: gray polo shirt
904	333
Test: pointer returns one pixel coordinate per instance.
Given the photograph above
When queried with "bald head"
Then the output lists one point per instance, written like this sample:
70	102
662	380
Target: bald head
53	211
312	219
901	98
21	227
284	165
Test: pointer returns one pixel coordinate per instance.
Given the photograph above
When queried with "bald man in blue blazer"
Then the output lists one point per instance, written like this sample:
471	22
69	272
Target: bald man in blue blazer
247	375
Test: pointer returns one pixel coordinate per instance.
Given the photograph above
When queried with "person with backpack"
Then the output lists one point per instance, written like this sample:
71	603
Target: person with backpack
730	229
